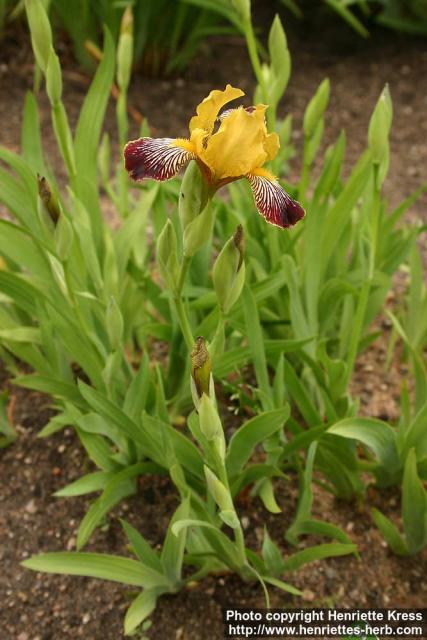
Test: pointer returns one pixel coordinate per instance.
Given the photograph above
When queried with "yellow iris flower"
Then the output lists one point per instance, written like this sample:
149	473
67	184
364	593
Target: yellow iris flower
227	146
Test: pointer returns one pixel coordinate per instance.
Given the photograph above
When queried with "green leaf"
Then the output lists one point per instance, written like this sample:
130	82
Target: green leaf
284	586
256	430
256	344
97	565
320	528
21	334
266	493
414	506
271	554
390	533
305	497
7	432
318	552
174	545
89	483
375	434
237	357
120	486
300	396
98	450
141	547
52	386
140	609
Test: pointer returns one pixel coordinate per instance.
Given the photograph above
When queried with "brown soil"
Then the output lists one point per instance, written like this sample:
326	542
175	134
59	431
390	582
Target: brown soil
44	607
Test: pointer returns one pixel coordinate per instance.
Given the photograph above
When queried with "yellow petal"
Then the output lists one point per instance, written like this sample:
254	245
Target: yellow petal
208	109
271	145
238	147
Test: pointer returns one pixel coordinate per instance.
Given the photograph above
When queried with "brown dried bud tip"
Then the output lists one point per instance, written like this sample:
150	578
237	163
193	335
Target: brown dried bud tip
48	198
239	241
201	366
127	21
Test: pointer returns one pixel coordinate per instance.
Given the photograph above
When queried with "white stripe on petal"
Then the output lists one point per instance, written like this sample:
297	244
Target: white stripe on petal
273	203
156	158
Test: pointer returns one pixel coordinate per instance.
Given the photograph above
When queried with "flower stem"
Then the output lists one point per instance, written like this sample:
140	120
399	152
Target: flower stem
179	304
184	322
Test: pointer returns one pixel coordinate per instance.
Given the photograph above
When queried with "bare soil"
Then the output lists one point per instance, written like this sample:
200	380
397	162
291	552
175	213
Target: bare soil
45	607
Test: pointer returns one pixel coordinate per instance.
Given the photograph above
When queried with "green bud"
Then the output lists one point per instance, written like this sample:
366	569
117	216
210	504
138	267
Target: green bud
198	231
243	8
49	199
316	108
229	517
218	491
192	195
210	423
64	236
53	78
201	367
379	127
114	324
167	256
219	446
280	60
125	49
229	271
41	33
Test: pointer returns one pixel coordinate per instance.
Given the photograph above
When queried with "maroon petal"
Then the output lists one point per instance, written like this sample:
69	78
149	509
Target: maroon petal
273	203
156	158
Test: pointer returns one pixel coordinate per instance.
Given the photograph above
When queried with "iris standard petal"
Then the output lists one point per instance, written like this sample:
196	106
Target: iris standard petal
208	109
272	201
238	146
271	145
157	158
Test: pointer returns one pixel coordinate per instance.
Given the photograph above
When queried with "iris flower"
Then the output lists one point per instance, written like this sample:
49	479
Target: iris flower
227	146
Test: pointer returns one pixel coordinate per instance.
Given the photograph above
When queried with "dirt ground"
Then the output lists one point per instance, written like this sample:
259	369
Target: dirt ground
45	607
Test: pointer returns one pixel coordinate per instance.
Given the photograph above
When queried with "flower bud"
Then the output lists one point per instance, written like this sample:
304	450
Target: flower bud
114	323
243	8
125	49
220	447
167	256
49	199
53	78
41	33
229	517
192	195
201	366
210	423
280	59
218	491
379	127
229	271
316	108
198	231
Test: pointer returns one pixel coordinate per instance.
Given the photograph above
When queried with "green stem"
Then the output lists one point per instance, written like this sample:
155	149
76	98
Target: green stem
184	322
179	304
185	264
